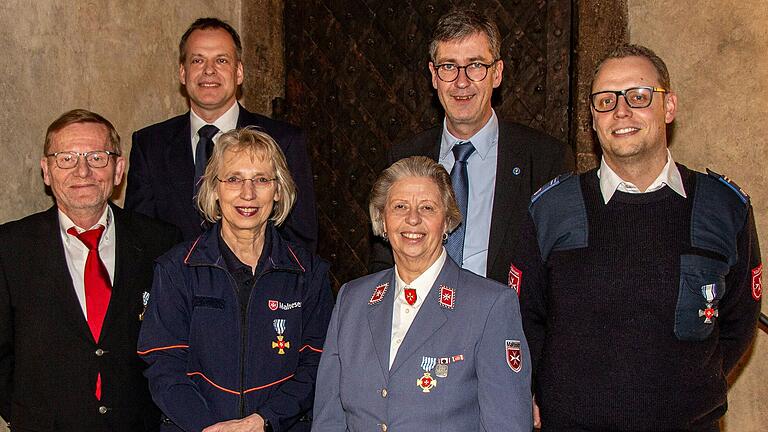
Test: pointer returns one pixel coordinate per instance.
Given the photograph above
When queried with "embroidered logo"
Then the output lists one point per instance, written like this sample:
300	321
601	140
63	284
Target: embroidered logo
447	297
515	278
757	282
275	305
514	355
378	293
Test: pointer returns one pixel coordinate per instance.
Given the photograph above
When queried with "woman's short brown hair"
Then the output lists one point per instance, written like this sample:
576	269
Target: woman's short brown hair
251	142
414	166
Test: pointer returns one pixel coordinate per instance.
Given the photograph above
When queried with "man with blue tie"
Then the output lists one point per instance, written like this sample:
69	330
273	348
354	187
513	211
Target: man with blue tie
168	158
495	166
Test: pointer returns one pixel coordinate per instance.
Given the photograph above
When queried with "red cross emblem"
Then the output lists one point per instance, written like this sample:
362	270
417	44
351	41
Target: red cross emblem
514	355
426	383
272	304
515	278
378	293
447	297
410	296
757	282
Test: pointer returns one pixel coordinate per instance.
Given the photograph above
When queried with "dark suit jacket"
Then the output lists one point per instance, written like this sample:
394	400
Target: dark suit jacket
161	176
539	157
48	358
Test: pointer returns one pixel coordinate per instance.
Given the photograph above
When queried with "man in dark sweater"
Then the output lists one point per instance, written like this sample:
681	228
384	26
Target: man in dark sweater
639	282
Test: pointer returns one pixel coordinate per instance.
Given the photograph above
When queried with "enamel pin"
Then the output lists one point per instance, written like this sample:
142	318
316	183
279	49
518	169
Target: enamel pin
410	296
280	344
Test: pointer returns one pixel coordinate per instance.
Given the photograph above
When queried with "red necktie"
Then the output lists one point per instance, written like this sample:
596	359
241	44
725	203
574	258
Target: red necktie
98	287
410	296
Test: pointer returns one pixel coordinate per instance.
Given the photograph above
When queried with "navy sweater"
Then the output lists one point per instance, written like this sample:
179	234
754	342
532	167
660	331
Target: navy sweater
601	319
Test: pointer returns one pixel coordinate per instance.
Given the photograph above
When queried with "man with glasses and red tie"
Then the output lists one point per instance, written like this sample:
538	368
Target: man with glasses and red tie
641	280
495	166
74	281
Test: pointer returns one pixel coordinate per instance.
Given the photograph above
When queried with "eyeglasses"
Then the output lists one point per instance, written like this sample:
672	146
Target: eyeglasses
235	182
95	159
475	71
636	97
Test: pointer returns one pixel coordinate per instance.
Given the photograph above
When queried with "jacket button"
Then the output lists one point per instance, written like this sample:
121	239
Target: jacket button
103	409
99	352
383	393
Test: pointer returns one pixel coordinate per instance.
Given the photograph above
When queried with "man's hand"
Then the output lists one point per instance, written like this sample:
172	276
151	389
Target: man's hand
536	415
252	423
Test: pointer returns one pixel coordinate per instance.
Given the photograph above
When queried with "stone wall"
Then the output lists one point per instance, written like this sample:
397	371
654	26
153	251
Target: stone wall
716	54
114	57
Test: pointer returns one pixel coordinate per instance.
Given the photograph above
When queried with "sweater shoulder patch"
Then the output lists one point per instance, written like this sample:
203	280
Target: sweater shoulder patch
550	185
730	184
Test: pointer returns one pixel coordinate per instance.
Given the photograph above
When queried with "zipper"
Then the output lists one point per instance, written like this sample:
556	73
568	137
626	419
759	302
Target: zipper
244	321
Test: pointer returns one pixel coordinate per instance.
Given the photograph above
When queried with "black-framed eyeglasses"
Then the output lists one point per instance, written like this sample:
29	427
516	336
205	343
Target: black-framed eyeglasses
475	71
636	97
95	159
235	182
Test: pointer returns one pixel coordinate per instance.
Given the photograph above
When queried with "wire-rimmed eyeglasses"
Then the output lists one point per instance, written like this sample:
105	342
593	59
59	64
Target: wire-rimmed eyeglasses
475	71
636	97
94	159
235	182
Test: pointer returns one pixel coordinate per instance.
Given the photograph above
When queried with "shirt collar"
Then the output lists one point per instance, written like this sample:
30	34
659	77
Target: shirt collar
225	123
105	220
424	282
610	182
483	140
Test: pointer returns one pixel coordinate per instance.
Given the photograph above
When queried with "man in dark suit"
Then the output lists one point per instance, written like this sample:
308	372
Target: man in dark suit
73	283
500	165
167	158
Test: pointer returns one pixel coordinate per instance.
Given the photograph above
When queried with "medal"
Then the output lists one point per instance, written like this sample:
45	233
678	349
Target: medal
144	302
426	382
280	344
441	370
709	292
410	296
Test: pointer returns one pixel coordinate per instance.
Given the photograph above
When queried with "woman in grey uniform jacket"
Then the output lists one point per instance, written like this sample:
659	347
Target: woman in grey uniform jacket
425	345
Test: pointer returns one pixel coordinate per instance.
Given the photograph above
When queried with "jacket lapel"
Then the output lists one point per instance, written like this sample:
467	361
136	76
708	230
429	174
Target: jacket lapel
58	277
127	255
430	318
181	165
380	322
506	191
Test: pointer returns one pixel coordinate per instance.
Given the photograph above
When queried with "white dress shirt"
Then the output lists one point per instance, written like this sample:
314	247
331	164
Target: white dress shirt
610	182
481	170
225	123
76	253
403	313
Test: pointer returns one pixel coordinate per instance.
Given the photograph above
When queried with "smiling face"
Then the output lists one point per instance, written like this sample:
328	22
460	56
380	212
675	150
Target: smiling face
211	72
632	135
467	103
82	192
246	209
414	220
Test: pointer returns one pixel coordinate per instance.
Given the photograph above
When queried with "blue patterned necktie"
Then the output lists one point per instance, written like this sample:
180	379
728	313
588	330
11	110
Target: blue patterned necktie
203	151
455	243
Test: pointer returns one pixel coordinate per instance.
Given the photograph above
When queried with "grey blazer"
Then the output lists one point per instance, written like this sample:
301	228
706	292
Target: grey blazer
471	323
